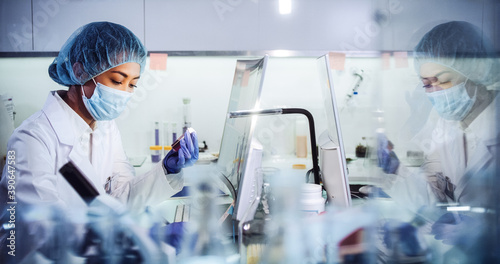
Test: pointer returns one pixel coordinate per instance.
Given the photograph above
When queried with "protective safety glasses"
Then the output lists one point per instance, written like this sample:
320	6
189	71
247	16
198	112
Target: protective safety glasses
429	81
442	80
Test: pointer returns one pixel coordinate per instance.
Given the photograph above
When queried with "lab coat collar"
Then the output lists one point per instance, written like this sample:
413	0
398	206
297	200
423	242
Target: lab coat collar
486	128
478	172
58	119
80	127
55	112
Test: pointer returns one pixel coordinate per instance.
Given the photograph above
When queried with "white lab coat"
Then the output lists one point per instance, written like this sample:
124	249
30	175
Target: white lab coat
467	156
50	138
470	164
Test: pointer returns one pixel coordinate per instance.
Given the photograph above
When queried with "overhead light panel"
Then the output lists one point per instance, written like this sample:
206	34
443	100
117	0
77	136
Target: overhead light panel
285	6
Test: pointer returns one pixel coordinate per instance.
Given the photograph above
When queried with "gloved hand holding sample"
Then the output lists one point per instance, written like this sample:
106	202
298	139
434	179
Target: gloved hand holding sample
184	153
403	236
457	229
174	234
387	159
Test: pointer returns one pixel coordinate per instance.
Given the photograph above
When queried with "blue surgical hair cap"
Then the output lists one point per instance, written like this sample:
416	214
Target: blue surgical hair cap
462	47
97	47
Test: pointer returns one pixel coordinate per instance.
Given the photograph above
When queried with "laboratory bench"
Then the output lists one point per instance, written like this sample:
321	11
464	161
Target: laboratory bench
361	174
358	175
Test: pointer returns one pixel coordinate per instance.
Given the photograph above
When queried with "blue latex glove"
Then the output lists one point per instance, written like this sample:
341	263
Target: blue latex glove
174	234
186	156
391	163
387	159
457	229
404	236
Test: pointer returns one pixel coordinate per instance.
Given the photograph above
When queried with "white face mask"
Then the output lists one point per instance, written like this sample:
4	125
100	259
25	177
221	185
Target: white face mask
106	103
453	103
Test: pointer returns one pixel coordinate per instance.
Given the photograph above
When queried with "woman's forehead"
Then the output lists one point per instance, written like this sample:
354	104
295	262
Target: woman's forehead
130	68
431	69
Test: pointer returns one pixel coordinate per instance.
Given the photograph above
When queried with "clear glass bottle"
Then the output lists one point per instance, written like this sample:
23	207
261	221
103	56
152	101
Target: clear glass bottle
252	229
286	230
274	233
205	240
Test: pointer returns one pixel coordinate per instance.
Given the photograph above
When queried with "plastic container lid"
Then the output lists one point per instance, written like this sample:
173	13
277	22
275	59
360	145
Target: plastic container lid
311	191
310	187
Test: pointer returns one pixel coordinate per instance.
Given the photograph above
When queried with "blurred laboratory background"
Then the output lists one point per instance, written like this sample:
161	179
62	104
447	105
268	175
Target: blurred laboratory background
203	39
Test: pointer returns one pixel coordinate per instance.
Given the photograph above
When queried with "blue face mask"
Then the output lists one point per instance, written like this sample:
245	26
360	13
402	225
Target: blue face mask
453	103
106	103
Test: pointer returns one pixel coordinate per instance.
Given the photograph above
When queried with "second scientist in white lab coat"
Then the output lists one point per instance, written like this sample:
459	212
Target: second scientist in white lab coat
101	64
459	74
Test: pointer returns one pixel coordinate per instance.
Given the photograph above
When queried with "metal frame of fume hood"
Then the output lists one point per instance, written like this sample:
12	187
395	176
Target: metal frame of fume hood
216	53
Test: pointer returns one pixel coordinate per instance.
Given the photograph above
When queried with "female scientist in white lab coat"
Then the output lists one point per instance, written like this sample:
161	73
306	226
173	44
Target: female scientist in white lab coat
459	73
101	64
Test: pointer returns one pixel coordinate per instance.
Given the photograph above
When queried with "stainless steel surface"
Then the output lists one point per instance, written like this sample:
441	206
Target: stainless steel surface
244	113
